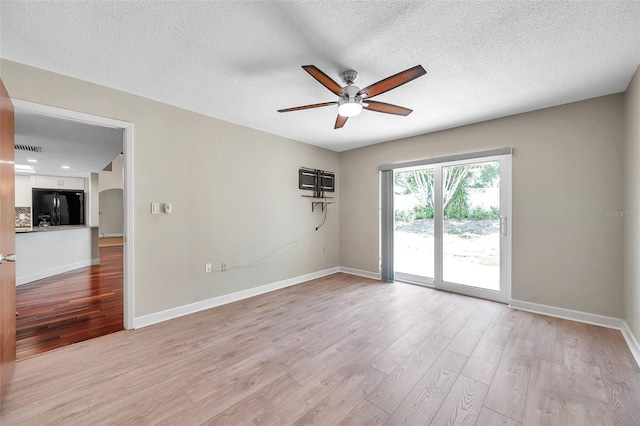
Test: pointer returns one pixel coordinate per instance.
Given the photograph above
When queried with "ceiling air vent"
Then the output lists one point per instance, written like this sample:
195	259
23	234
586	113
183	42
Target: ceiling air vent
31	148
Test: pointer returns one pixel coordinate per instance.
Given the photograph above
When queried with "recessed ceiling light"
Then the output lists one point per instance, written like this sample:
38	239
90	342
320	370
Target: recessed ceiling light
25	168
66	167
32	160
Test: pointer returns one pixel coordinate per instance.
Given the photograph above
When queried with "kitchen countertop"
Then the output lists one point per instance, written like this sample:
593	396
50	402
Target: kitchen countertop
51	228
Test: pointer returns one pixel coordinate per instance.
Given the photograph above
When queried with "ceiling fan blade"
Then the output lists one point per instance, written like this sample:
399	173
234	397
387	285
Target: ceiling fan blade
386	108
392	82
300	108
340	121
324	79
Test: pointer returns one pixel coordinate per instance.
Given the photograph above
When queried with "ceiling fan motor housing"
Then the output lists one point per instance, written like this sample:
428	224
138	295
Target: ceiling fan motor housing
352	93
350	105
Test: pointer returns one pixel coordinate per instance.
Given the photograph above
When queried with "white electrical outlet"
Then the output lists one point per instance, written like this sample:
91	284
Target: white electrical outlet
155	208
223	267
207	268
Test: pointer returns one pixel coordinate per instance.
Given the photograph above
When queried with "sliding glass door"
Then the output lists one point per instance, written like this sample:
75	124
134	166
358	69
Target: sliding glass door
414	244
450	226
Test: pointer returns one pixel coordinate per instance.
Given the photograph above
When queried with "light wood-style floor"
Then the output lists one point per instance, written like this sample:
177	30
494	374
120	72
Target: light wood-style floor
340	350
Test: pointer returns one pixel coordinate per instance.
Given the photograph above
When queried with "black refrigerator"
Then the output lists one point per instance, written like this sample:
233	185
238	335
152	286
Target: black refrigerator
54	207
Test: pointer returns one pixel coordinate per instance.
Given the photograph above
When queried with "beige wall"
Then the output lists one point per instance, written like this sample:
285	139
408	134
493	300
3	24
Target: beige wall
567	170
111	184
111	212
114	178
233	190
632	205
93	195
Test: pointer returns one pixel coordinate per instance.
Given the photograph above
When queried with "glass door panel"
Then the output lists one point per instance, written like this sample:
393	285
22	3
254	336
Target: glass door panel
471	224
450	226
413	225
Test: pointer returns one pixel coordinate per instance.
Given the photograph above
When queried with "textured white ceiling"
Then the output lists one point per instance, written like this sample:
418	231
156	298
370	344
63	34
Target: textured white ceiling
82	147
240	61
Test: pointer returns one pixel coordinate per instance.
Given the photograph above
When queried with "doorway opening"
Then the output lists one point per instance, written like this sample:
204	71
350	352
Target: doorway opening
105	255
445	224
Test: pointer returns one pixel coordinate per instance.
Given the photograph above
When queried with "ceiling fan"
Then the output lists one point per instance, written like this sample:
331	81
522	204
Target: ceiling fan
351	99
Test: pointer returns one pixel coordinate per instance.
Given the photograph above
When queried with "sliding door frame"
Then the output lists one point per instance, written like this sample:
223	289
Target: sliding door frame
387	224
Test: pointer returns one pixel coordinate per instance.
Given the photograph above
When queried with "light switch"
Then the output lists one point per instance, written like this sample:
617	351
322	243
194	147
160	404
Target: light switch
155	208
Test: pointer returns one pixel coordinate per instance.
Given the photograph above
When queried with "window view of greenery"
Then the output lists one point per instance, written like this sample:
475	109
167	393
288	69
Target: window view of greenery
413	239
471	200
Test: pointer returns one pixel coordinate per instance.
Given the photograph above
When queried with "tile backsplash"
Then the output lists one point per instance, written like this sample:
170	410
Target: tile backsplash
23	217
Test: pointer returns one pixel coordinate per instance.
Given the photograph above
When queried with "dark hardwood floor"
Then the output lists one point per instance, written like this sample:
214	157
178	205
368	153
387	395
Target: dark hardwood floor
71	307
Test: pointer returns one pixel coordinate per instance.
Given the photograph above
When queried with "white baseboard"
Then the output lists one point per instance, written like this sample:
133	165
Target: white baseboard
360	272
111	235
53	271
191	308
579	316
95	261
634	347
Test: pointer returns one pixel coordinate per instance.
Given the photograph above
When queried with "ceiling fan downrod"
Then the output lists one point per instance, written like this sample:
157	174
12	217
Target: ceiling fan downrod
349	77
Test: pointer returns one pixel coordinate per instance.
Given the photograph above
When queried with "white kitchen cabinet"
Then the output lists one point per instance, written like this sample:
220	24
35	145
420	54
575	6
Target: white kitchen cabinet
23	191
56	182
47	182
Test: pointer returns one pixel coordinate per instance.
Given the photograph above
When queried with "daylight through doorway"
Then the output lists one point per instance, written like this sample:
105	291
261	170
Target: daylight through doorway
450	225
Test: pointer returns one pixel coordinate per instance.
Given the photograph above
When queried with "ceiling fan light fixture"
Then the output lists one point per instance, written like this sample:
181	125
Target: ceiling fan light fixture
350	105
349	108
